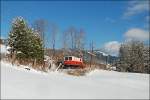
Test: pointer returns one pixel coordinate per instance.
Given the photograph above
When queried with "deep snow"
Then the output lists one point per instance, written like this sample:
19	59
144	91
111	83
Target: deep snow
16	82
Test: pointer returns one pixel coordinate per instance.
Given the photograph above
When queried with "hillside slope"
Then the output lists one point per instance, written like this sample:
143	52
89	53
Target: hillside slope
23	84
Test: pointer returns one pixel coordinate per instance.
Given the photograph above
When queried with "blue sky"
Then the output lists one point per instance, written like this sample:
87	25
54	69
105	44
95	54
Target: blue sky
103	21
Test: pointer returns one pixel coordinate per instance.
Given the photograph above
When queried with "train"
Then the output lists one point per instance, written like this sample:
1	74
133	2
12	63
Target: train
73	62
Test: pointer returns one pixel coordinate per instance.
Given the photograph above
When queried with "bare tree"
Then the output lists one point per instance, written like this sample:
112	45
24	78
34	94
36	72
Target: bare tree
54	32
81	37
74	39
65	42
72	33
41	26
91	51
80	41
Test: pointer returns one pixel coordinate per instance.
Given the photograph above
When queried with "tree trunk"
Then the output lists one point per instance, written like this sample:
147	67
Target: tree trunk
34	64
13	58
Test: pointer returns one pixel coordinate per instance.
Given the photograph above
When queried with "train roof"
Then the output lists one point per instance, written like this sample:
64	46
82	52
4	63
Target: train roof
72	56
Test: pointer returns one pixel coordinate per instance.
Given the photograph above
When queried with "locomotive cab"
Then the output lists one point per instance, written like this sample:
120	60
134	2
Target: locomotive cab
73	62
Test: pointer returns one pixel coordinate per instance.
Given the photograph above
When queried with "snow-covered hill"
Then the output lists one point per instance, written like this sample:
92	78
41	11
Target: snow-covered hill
99	84
99	51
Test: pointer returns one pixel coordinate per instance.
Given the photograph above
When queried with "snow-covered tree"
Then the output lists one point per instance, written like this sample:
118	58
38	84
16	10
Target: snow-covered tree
132	56
24	42
17	37
147	59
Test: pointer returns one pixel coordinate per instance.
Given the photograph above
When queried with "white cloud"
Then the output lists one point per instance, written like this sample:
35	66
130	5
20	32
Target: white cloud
112	47
137	34
136	7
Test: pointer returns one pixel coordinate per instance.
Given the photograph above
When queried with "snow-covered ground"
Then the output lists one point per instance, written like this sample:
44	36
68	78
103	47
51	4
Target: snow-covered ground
99	84
4	49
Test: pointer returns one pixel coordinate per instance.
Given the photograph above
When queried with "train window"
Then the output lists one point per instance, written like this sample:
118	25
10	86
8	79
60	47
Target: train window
70	58
66	58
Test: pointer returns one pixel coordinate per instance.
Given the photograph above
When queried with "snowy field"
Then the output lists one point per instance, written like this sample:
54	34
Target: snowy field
18	83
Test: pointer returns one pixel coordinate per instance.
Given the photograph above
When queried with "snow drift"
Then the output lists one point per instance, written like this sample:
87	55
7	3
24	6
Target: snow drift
18	83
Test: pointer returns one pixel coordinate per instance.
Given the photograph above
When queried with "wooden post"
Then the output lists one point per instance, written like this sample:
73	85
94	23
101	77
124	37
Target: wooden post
91	47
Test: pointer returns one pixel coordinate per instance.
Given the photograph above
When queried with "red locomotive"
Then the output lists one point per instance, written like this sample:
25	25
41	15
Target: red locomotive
73	62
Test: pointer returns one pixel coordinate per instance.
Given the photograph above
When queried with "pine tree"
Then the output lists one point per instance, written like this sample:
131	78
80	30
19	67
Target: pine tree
25	43
36	44
17	37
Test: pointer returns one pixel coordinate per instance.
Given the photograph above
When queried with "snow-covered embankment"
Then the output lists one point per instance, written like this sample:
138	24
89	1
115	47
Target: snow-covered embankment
99	84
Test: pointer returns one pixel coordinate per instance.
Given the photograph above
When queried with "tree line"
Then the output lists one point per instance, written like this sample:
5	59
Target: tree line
134	57
28	44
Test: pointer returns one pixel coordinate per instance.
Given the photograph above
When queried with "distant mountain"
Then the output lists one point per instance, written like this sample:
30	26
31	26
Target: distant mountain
100	52
100	57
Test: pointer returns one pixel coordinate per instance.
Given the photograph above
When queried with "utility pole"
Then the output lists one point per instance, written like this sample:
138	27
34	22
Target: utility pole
106	60
91	58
